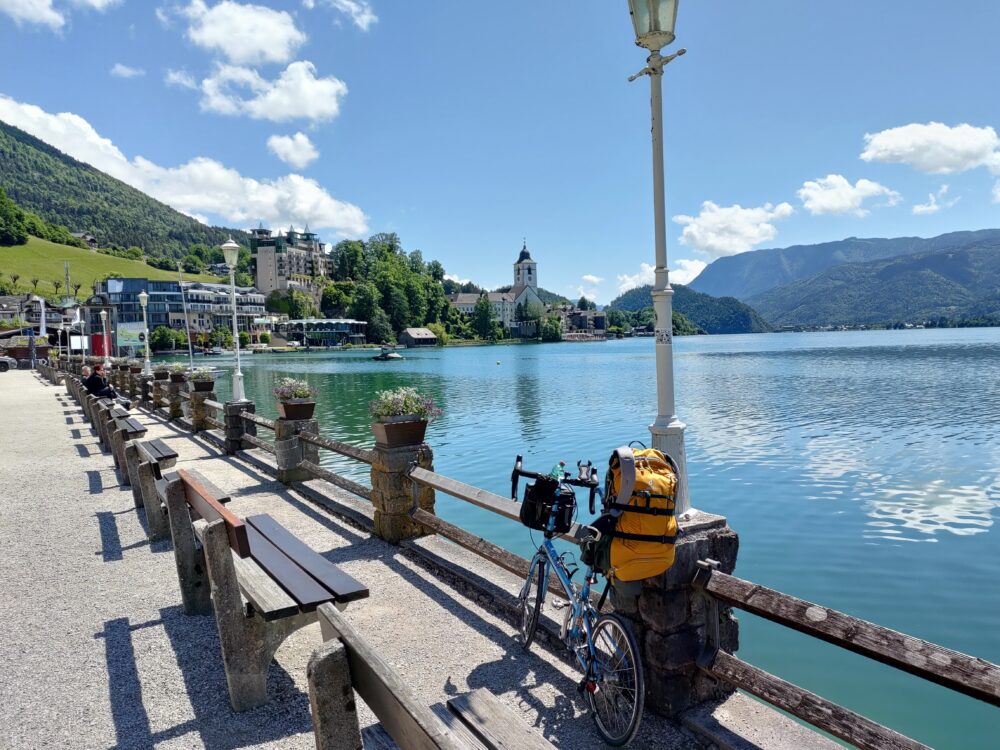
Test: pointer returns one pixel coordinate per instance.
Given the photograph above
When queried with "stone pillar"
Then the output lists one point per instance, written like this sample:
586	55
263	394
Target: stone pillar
198	409
392	490
289	451
156	393
173	394
146	390
670	619
236	426
134	387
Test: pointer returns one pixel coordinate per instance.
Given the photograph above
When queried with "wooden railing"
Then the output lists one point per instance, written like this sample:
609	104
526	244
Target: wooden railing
959	672
218	408
344	449
253	440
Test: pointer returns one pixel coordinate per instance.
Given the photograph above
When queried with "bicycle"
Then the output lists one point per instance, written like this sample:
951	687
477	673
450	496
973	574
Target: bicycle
603	645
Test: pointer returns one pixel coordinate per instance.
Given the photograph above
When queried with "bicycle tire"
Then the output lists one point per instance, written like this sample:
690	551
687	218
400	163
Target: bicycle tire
531	606
616	671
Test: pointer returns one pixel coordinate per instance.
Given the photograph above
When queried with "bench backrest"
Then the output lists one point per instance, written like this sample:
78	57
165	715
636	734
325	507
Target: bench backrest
205	504
408	721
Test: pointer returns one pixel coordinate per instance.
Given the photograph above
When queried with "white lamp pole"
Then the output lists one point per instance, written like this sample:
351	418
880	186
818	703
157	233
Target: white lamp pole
231	252
107	340
654	29
147	368
59	339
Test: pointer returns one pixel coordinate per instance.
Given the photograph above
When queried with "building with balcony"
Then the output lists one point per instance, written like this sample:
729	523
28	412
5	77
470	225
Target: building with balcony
287	261
324	331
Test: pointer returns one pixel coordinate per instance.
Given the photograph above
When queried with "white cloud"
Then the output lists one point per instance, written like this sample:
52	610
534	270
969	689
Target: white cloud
33	11
124	71
296	150
935	148
932	206
727	230
200	186
98	5
453	277
834	194
180	78
590	294
646	275
296	94
245	34
359	11
686	271
163	16
591	279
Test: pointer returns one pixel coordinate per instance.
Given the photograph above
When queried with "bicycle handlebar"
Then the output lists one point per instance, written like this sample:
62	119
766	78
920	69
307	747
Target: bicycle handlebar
587	479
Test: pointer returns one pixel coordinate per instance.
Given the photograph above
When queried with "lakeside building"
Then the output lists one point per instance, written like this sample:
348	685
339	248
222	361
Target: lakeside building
524	292
287	261
323	331
209	305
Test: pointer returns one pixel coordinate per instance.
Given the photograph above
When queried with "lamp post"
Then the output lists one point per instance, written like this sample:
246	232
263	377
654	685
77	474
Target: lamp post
59	338
654	29
231	252
107	340
147	368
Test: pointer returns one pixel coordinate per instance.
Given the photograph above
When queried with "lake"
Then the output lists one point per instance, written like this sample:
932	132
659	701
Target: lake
861	470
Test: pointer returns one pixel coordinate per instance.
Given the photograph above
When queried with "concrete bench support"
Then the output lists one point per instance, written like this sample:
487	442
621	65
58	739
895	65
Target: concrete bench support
331	697
188	555
248	641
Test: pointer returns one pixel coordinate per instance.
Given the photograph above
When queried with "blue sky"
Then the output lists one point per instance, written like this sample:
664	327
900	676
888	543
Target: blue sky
464	127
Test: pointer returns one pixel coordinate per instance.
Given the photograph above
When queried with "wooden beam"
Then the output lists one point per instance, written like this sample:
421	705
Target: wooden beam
345	449
335	479
209	508
964	674
251	417
494	723
258	443
837	720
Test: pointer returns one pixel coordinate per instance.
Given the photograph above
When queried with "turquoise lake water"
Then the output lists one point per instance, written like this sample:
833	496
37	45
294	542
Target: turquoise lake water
861	470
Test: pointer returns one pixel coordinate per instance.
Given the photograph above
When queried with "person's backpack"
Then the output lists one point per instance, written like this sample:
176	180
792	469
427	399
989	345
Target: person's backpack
638	527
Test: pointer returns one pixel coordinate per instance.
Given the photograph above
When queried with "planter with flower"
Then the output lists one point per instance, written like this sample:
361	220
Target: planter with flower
134	366
161	371
202	379
119	363
296	398
401	417
178	373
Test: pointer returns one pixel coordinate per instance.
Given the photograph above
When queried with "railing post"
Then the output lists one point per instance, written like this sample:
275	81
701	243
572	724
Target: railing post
156	393
671	620
289	451
236	426
145	390
392	490
174	410
198	409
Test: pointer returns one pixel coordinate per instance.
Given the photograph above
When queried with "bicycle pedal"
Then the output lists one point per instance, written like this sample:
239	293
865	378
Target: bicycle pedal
559	604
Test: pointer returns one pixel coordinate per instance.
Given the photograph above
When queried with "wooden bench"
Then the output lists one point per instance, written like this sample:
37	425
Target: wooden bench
473	721
262	582
146	463
122	429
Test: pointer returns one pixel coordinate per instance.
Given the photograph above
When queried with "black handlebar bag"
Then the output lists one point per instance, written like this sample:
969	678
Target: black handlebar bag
539	499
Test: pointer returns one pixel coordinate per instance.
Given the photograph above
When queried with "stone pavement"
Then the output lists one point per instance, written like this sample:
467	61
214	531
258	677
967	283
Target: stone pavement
97	653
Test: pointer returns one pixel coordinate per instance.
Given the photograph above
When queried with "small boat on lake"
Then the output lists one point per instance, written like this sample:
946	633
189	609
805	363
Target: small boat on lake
387	354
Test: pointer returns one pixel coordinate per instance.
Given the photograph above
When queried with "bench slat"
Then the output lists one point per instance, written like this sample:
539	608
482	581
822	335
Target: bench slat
164	450
495	723
343	587
299	584
209	508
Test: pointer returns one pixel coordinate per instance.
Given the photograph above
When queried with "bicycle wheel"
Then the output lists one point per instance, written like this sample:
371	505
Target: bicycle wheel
530	604
617	692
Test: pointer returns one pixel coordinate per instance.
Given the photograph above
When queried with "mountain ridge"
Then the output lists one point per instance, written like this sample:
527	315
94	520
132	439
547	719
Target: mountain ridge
713	314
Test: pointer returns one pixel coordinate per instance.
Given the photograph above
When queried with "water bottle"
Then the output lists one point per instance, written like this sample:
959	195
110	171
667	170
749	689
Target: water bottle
558	470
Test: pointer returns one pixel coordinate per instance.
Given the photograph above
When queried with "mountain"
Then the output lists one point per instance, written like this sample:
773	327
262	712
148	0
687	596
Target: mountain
750	274
713	314
950	284
62	190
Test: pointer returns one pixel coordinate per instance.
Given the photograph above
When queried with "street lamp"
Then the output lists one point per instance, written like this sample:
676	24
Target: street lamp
59	337
654	29
147	368
107	340
231	252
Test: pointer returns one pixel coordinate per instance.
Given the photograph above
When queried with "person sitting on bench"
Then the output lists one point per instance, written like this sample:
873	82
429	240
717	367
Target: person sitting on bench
97	385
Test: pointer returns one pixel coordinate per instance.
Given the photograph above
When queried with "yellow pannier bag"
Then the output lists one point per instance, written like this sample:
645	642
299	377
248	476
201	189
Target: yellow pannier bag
640	491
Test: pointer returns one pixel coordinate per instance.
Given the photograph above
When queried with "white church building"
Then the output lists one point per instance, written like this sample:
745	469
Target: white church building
523	293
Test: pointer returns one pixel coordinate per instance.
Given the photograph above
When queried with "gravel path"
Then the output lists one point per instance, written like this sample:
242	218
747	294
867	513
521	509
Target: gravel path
97	652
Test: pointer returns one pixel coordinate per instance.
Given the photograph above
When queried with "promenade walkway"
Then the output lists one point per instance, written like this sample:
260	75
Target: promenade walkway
97	653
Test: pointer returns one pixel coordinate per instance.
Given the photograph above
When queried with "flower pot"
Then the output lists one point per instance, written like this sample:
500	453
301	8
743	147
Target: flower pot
202	386
123	367
178	377
135	370
161	375
399	432
296	408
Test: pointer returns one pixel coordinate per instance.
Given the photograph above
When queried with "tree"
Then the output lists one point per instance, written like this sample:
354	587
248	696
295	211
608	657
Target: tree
586	304
76	288
244	339
552	330
13	278
533	312
34	284
301	306
221	336
436	270
57	284
483	318
397	307
365	302
193	264
264	338
438	330
379	329
12	227
161	338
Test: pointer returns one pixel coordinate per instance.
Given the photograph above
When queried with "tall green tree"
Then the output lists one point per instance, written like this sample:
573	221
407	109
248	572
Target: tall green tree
484	318
12	228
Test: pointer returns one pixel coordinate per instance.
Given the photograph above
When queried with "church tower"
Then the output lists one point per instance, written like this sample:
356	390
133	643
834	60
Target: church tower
525	271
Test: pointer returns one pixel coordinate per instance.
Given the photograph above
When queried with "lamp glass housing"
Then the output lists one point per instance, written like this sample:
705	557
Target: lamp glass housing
231	252
143	299
104	316
653	21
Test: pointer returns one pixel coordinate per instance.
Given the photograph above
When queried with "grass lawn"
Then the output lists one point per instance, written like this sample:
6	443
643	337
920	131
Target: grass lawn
41	259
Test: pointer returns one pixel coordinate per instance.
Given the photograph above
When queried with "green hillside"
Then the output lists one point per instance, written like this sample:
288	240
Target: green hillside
952	284
64	191
712	314
41	259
